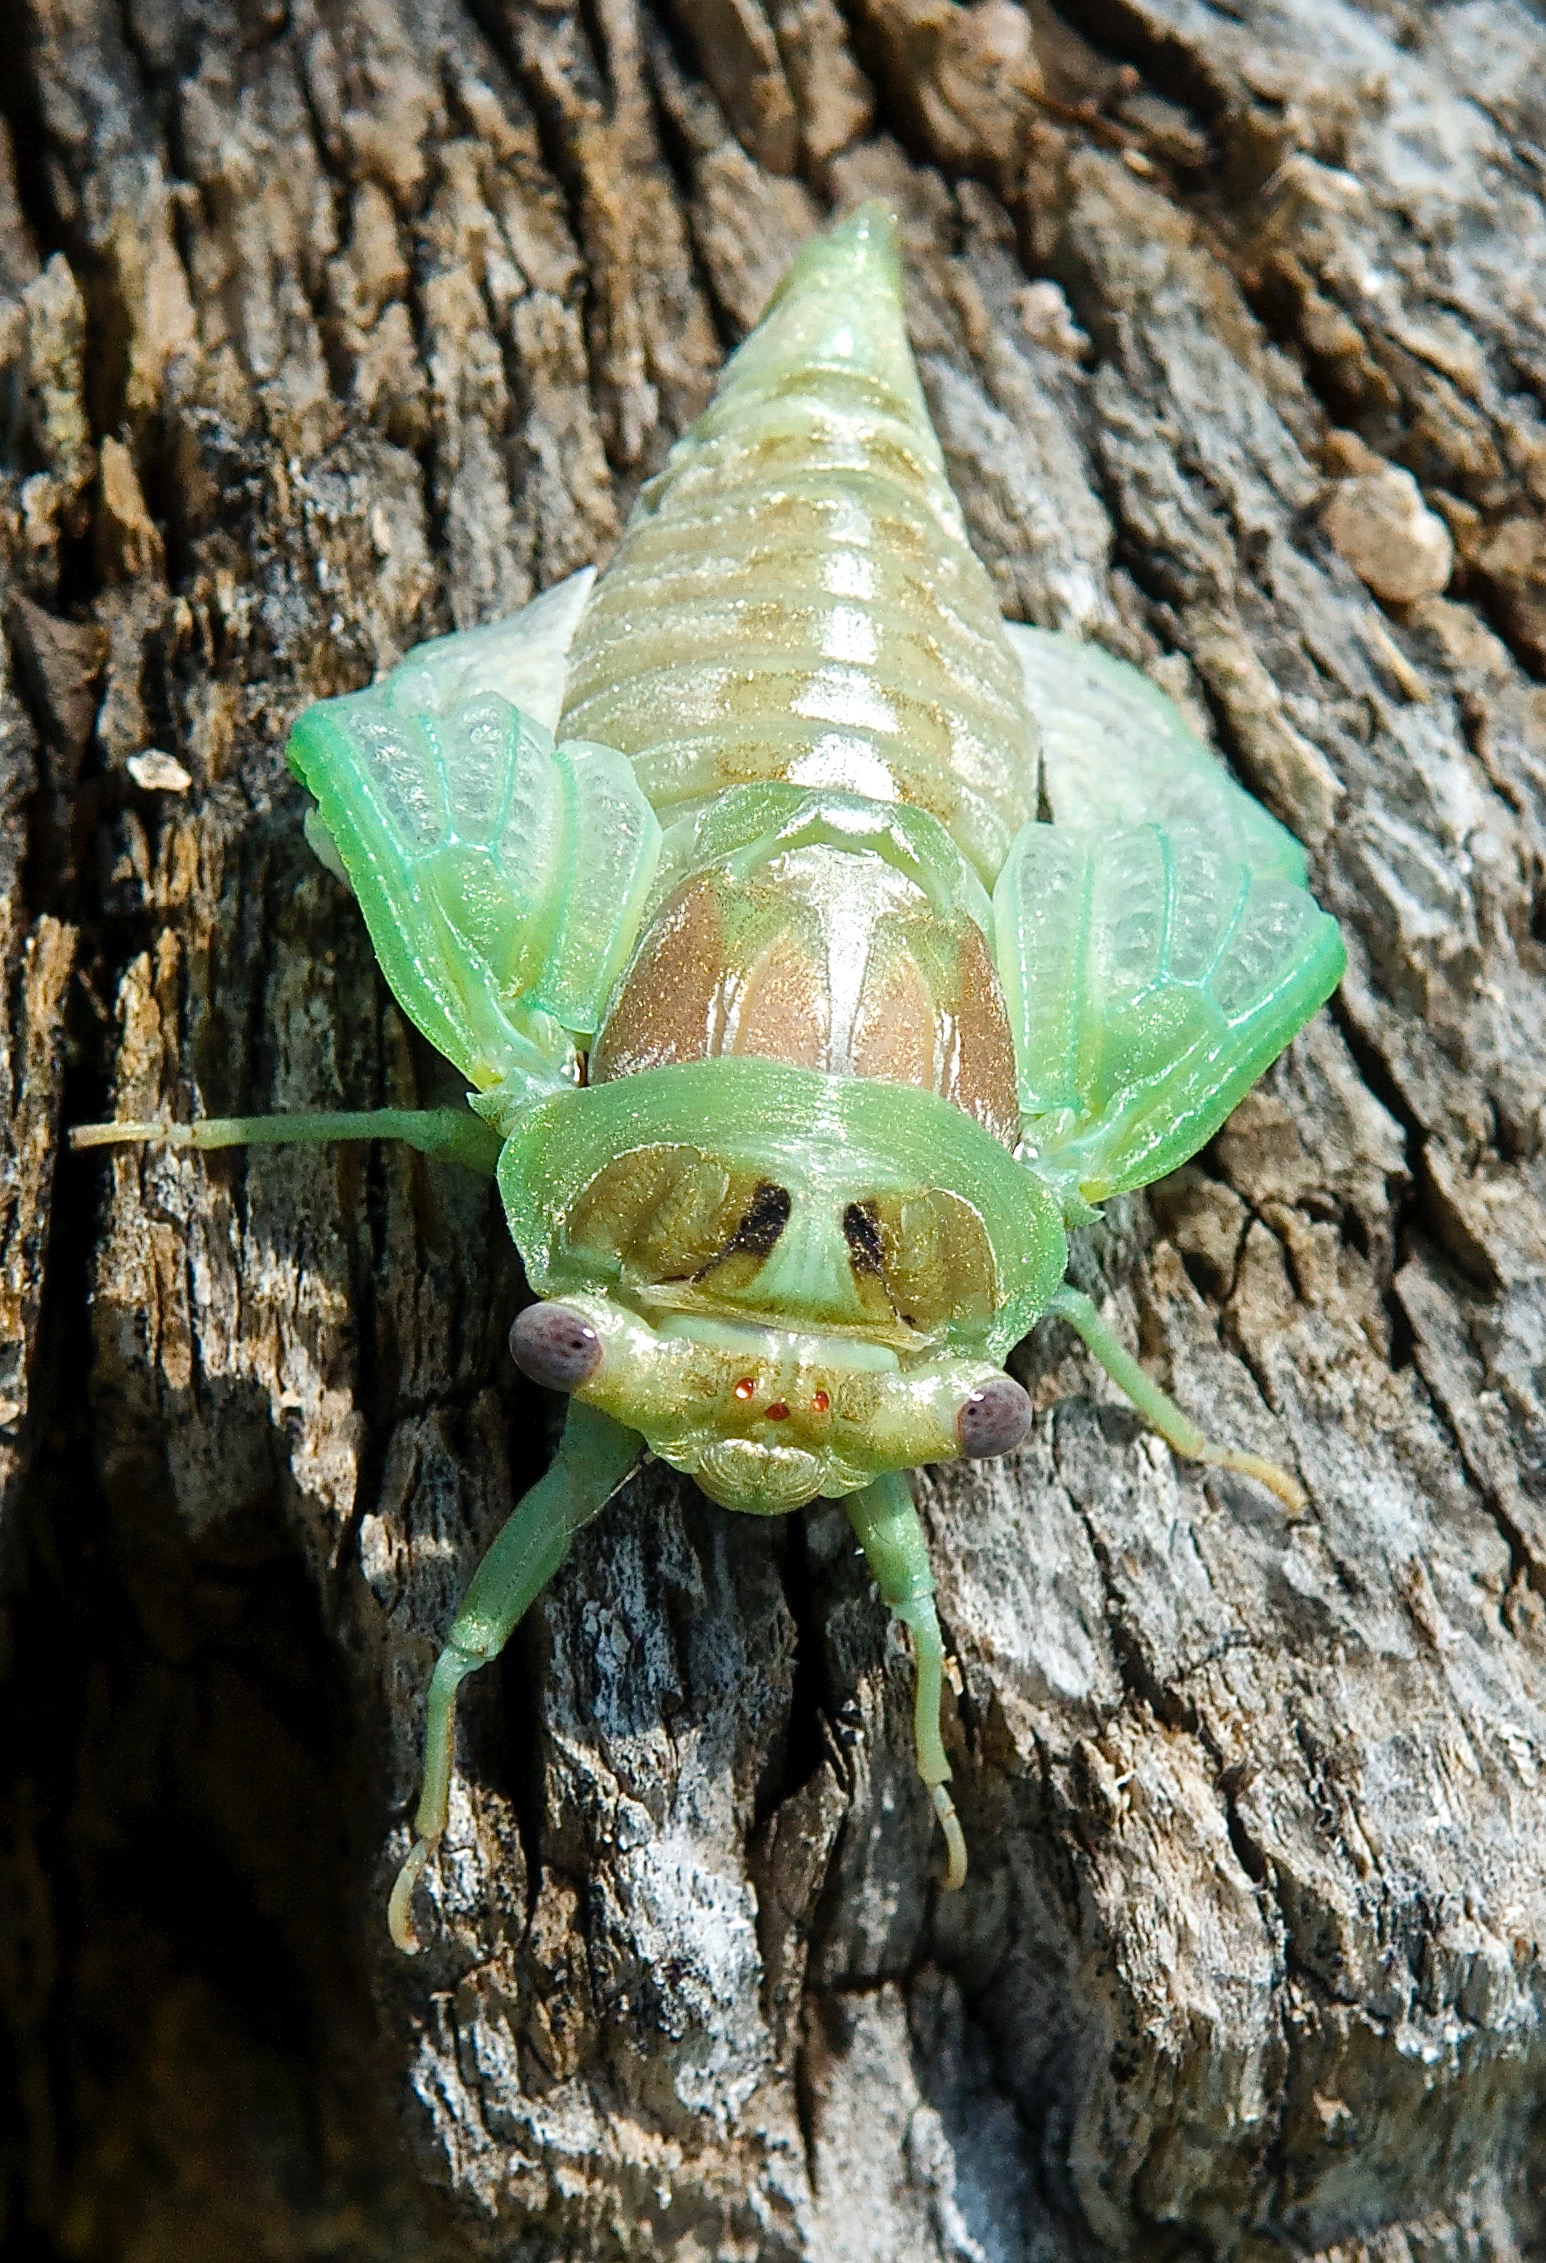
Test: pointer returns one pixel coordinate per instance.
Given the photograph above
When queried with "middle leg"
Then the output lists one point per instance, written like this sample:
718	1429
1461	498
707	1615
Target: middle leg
455	1133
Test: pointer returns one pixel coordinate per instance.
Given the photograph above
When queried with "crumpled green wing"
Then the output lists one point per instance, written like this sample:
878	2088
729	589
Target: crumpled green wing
524	657
1157	945
1116	750
502	878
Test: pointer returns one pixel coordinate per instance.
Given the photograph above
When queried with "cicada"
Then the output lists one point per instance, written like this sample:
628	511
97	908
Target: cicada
819	948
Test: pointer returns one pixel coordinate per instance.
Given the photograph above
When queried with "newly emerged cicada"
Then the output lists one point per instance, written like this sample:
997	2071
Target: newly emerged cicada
819	948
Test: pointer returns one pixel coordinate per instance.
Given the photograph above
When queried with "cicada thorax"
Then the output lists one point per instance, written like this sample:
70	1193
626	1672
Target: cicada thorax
795	598
829	958
818	932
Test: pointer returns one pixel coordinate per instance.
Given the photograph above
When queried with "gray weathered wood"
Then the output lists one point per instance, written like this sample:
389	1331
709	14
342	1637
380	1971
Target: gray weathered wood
326	329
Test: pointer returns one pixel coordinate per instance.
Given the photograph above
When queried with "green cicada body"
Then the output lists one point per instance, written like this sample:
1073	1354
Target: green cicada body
818	947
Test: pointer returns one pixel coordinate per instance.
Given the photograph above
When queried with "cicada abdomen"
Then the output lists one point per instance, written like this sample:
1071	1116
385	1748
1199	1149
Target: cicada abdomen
795	598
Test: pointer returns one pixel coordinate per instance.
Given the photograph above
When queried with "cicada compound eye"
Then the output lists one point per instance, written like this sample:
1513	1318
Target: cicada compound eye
994	1419
555	1345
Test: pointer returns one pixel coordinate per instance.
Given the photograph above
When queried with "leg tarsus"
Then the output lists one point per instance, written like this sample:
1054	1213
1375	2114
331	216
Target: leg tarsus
955	1838
400	1906
129	1133
1271	1474
1160	1411
451	1669
888	1528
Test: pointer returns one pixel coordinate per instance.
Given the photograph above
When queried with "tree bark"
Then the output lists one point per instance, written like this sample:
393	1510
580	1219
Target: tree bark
329	327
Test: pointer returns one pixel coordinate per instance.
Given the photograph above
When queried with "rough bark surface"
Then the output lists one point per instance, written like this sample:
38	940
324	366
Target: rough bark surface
329	326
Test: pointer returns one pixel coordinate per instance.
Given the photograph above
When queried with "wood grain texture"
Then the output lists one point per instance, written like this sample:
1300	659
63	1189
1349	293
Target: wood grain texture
328	328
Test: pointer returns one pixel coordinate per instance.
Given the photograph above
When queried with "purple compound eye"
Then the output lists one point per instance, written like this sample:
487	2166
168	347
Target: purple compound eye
994	1419
556	1346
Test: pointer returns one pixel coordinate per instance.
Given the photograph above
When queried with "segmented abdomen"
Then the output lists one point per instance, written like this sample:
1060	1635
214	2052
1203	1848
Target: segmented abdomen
794	597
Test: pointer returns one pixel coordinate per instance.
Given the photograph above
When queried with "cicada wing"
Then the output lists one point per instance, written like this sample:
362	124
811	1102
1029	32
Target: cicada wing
525	658
1152	972
1116	750
502	878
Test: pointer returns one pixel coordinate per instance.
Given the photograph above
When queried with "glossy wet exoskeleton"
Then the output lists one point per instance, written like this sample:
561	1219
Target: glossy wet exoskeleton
818	948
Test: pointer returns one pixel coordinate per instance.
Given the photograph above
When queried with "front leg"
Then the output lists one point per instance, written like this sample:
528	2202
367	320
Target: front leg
886	1522
594	1457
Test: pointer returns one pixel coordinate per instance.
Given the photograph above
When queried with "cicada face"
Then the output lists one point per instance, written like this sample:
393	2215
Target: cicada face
788	1282
765	1417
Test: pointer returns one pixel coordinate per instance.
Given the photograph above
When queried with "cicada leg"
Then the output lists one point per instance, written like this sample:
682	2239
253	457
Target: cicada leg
455	1133
887	1524
593	1459
1157	1408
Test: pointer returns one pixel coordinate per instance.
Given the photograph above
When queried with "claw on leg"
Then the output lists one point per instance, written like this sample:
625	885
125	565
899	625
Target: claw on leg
1288	1489
400	1907
955	1838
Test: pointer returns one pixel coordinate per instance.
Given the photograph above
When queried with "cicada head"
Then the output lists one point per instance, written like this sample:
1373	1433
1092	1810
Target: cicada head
788	1282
